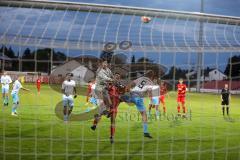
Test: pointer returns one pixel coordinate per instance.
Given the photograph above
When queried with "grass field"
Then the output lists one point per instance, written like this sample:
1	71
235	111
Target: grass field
38	134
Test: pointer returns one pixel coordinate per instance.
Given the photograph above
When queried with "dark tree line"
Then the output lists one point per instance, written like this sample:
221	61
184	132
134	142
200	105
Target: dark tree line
46	54
41	54
233	68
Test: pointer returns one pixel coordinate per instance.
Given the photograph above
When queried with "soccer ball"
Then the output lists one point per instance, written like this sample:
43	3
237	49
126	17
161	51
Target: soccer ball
145	19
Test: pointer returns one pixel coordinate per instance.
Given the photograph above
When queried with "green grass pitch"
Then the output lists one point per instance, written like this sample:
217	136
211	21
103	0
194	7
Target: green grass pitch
38	134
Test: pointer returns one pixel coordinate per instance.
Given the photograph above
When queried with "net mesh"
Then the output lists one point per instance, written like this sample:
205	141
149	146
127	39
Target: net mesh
202	49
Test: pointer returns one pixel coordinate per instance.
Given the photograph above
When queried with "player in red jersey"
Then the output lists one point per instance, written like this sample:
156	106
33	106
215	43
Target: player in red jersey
163	93
38	83
114	93
115	98
182	89
90	89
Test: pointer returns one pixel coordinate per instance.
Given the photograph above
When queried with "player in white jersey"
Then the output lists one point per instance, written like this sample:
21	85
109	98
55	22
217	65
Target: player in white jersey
141	87
69	92
15	98
103	78
154	95
5	81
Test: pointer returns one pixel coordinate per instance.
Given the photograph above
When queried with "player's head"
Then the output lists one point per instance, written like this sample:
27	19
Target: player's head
69	76
104	64
117	76
155	80
226	86
180	80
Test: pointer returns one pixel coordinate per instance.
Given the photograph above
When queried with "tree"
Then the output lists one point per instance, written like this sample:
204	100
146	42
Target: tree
27	54
59	56
44	54
10	53
133	59
233	67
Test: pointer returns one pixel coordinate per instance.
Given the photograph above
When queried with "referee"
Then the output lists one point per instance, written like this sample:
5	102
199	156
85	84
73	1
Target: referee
225	97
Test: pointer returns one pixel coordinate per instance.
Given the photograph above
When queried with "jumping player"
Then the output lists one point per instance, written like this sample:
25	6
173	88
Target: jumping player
115	98
15	98
163	93
104	76
139	88
154	97
225	97
5	81
69	92
114	94
182	89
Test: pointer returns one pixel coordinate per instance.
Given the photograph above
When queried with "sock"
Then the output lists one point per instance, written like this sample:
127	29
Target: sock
227	110
145	127
164	109
223	110
6	99
65	117
157	113
184	109
178	109
14	108
112	131
149	110
95	122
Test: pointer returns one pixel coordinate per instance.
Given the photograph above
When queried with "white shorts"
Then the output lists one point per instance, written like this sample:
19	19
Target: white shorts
5	89
154	101
68	100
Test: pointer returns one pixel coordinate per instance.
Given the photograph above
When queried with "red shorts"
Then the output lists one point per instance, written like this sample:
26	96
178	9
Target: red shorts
162	99
181	99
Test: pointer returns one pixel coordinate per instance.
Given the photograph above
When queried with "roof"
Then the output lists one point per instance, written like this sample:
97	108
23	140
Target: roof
217	70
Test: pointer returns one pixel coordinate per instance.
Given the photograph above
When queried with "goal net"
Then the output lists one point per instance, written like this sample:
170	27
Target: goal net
52	38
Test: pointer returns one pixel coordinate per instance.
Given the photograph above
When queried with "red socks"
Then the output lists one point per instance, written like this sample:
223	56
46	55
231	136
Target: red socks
112	131
178	109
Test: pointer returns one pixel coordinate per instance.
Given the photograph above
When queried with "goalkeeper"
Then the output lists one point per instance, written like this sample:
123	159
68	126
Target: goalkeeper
103	78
